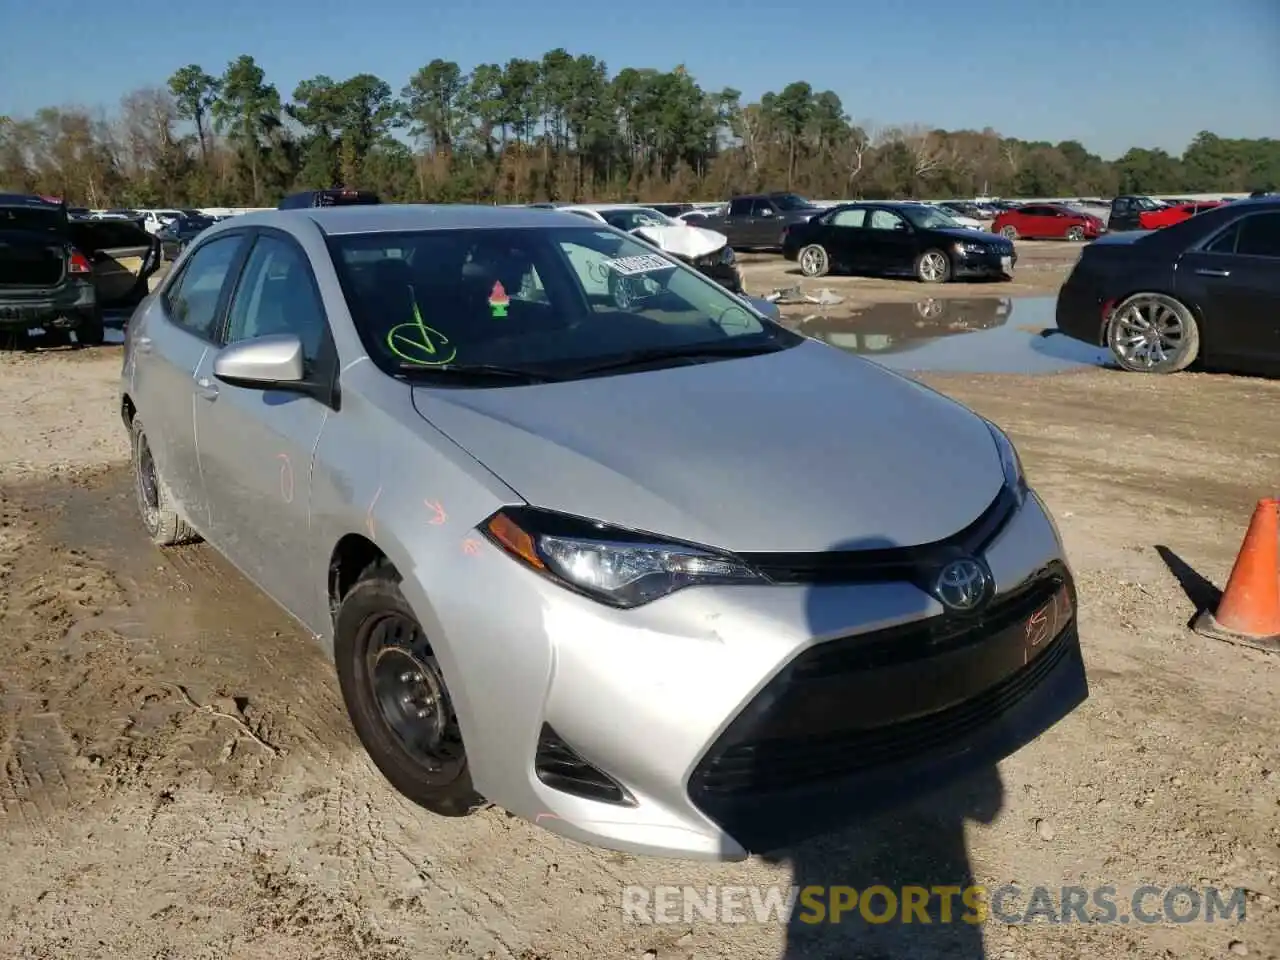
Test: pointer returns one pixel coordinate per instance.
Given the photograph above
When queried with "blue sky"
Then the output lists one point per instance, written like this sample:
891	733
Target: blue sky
1110	73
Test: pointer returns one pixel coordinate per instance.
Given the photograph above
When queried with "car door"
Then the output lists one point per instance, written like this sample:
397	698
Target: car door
844	236
766	223
890	242
738	222
1124	214
1236	279
170	340
255	446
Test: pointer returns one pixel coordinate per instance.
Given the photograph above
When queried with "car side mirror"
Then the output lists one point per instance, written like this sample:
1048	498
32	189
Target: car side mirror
272	362
766	212
902	227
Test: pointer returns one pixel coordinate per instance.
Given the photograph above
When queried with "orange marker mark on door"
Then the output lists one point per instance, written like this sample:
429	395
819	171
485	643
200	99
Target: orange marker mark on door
369	522
438	515
470	547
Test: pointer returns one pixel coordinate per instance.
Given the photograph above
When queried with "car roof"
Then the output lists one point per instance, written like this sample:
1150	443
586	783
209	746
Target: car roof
393	217
607	206
27	200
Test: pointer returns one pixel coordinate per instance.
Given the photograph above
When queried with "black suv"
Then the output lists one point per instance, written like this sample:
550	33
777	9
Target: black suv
328	198
45	282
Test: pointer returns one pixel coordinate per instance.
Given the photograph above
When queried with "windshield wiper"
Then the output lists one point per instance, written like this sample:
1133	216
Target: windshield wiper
694	351
476	371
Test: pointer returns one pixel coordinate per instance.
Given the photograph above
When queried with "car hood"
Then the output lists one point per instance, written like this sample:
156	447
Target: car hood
966	234
683	240
807	449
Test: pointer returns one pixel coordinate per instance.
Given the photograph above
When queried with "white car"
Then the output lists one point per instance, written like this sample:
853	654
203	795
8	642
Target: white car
705	250
157	220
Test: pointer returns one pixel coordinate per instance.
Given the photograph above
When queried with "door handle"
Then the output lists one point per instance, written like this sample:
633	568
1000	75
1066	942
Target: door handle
1207	272
207	389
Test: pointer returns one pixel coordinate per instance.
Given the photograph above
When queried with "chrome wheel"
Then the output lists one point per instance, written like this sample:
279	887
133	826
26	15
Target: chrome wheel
930	309
933	267
1010	233
1075	233
411	696
814	261
1151	333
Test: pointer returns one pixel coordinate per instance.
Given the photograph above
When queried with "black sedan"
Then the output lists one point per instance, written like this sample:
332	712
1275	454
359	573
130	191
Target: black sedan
896	238
1206	289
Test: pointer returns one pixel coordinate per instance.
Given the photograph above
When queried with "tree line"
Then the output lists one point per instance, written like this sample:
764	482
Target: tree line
558	128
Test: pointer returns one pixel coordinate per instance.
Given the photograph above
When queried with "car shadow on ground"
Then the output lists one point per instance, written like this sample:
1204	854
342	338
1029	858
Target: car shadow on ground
923	846
916	846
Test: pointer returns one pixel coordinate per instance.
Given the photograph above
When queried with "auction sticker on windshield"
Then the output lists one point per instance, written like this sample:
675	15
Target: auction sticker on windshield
634	266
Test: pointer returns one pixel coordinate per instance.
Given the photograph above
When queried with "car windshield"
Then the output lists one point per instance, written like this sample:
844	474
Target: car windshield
554	300
1146	203
928	218
40	220
630	218
790	201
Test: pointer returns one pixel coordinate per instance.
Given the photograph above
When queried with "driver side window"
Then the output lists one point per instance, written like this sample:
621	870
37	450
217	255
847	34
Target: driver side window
276	296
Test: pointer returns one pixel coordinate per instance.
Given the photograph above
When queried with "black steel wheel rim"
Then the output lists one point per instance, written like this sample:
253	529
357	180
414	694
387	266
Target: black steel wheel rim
411	696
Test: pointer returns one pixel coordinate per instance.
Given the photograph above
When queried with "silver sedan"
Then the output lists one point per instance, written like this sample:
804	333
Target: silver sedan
591	537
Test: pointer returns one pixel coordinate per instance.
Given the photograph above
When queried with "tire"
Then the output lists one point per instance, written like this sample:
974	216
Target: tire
91	332
1010	232
933	266
382	701
1075	234
1145	320
814	260
163	524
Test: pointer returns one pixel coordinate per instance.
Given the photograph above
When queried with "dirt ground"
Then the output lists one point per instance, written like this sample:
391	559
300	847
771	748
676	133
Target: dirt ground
178	778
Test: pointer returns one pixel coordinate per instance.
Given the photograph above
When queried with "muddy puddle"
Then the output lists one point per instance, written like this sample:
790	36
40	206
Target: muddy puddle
165	657
961	335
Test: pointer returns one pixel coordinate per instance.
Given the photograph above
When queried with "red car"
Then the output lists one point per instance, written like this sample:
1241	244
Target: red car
1047	221
1155	219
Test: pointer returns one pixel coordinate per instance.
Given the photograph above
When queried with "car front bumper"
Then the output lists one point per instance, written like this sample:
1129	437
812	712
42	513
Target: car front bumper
739	719
973	266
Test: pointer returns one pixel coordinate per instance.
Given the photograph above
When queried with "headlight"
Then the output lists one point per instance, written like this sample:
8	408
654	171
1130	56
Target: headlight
727	256
617	567
1010	462
976	249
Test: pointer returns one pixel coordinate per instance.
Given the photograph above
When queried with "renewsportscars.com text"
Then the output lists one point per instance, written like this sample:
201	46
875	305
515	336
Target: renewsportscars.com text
943	904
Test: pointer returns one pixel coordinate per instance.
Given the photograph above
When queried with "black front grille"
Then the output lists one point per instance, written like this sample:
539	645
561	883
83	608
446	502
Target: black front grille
872	701
918	564
559	767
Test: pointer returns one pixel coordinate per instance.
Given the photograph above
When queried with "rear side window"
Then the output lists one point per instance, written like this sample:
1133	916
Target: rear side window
277	295
1260	236
849	218
193	298
1225	242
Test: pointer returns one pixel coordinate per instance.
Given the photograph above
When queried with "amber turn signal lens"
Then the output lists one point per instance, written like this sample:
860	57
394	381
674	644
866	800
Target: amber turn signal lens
505	531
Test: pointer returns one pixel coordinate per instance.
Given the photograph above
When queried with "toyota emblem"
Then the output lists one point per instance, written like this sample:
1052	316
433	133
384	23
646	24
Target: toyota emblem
962	585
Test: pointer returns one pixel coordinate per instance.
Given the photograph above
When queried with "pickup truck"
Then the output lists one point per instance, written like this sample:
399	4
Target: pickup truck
758	221
1143	213
57	274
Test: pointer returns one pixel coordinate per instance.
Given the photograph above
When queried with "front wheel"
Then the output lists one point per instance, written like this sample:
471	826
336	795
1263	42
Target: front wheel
1075	234
1009	233
396	696
932	266
1153	333
814	260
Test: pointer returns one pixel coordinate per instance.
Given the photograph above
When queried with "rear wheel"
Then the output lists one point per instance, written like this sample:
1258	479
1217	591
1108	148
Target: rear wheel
1075	234
163	524
814	261
932	266
1153	333
396	696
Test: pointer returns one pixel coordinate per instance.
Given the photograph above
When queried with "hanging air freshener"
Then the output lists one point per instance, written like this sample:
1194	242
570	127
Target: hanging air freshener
498	300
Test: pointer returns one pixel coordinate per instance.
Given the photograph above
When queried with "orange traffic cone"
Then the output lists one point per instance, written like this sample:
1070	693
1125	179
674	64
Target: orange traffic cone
1249	611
